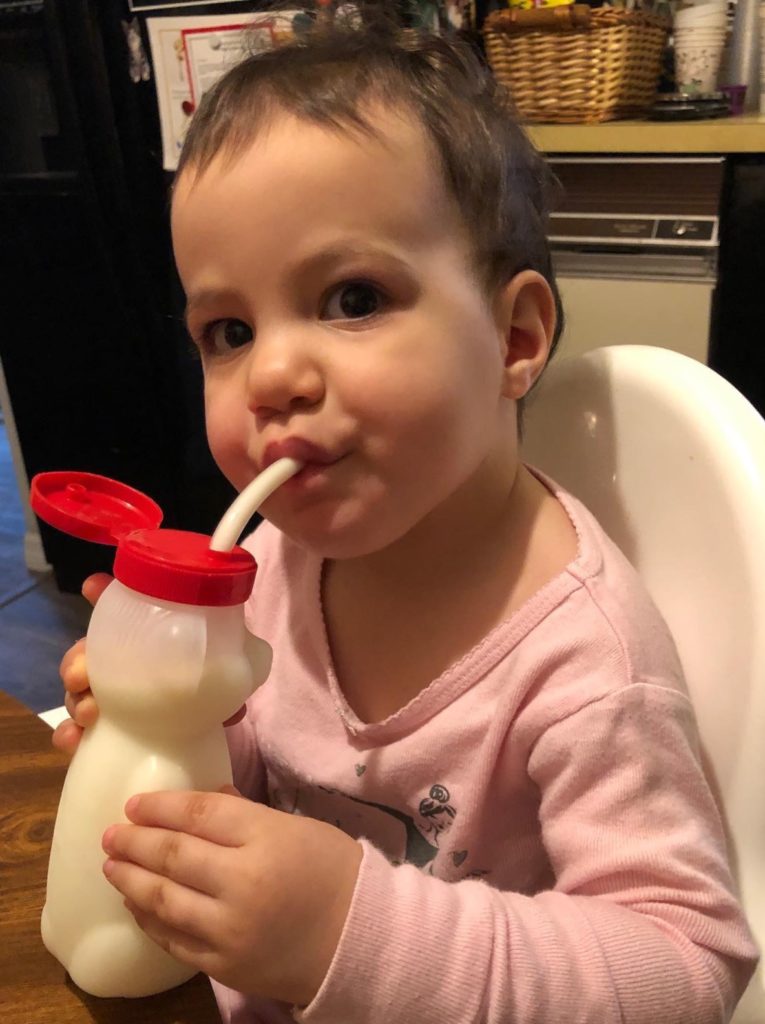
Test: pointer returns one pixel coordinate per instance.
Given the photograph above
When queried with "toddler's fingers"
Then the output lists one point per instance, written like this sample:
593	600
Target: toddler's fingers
71	654
73	669
66	737
95	585
82	708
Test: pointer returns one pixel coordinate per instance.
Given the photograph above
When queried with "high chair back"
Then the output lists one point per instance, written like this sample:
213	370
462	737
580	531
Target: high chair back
671	460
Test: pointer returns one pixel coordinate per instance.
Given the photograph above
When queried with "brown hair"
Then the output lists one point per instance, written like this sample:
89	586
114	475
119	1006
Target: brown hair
328	76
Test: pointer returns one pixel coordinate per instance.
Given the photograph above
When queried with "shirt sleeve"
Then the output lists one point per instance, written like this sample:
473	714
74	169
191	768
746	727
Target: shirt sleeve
641	925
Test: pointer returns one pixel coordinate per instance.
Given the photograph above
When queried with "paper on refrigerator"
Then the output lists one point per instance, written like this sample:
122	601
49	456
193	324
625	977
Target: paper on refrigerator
190	55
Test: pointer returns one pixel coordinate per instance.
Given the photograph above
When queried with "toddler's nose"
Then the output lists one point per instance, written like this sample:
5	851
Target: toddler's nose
283	374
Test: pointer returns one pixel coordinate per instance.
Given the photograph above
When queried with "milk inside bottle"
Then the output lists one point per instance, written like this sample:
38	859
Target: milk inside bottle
169	660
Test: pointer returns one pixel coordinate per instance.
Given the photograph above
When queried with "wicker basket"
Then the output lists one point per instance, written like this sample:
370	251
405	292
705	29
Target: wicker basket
576	64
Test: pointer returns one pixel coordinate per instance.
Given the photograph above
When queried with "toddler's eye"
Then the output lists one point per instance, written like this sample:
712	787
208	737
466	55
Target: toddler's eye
353	301
222	336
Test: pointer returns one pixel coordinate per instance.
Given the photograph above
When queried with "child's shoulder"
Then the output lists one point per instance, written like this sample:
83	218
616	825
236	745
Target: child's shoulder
610	619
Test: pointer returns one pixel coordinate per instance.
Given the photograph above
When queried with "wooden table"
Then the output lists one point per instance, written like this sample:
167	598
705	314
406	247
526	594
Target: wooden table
34	988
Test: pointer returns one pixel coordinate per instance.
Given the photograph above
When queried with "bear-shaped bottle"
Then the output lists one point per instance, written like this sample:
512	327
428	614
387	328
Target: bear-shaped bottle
169	660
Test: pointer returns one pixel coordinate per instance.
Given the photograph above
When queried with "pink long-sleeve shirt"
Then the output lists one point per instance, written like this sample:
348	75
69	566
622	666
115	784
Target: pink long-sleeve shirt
540	845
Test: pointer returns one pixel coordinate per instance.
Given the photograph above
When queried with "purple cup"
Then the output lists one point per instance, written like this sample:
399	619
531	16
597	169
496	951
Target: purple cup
736	94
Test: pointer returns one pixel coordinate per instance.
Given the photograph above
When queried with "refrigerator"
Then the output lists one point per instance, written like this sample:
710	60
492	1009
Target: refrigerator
98	371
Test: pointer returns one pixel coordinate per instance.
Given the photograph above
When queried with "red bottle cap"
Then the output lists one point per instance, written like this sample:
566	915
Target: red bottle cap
92	507
172	565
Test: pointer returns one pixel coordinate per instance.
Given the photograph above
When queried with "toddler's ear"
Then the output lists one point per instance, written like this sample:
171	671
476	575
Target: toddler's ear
526	317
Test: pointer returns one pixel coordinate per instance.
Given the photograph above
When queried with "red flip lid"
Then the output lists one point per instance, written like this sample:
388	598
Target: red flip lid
172	565
92	507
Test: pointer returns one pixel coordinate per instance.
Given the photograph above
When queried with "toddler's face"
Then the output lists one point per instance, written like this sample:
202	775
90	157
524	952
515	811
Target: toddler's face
332	294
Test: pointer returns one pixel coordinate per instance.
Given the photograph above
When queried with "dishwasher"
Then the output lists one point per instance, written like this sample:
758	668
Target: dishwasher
635	247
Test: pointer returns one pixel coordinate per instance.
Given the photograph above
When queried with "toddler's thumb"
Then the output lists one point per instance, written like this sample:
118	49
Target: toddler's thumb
95	585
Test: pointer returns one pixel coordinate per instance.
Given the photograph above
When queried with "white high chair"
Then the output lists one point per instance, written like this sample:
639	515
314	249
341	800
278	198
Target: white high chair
671	460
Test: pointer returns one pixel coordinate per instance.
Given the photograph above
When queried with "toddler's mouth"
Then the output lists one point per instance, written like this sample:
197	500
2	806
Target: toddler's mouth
297	448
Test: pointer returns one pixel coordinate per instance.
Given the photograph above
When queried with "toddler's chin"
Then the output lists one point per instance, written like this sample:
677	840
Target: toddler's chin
342	541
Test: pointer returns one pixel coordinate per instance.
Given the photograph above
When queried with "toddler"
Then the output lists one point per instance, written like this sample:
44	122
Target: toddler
470	790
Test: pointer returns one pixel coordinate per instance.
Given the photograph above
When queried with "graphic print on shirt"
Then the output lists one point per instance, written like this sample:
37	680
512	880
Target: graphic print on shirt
405	838
437	814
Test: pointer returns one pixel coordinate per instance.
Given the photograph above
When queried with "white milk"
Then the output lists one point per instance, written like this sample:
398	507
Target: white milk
165	676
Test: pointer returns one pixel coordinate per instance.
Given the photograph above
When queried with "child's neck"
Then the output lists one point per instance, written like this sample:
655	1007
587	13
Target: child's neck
409	612
450	542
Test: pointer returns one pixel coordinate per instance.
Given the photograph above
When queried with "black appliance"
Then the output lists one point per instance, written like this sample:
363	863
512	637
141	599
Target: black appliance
100	373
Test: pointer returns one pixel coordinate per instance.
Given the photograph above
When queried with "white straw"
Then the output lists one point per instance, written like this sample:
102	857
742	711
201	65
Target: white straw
249	501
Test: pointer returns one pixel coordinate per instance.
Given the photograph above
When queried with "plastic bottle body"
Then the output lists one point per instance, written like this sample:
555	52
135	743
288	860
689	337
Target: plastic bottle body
165	677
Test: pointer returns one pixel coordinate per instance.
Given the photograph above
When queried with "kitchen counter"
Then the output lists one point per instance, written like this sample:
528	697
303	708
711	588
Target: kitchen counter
743	134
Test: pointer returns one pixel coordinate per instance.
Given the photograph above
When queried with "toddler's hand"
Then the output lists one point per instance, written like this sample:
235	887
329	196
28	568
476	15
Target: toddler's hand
254	897
79	701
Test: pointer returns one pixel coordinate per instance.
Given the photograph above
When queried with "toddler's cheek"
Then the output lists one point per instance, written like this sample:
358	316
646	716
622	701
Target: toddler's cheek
228	446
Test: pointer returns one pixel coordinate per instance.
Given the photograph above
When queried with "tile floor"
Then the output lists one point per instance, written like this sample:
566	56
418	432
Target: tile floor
37	622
